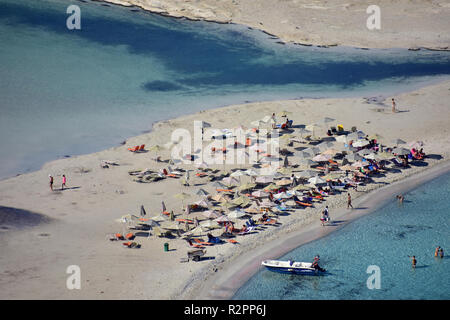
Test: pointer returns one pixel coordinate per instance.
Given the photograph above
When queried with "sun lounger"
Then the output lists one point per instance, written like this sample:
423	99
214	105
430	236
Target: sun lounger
130	236
193	245
305	204
116	236
232	241
132	245
134	149
200	242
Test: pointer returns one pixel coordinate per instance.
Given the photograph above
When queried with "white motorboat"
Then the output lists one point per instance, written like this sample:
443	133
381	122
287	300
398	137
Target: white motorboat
293	267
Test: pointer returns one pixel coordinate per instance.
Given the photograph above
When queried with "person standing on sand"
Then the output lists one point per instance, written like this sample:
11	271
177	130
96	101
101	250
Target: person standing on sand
64	180
349	201
393	106
51	181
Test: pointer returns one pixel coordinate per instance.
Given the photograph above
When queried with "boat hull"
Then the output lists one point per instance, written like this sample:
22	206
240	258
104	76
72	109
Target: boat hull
300	268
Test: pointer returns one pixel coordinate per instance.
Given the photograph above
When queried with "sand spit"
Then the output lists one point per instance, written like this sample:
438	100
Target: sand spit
88	211
403	24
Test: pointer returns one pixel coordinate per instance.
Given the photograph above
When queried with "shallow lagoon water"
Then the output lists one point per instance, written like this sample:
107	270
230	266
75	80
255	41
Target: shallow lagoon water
384	238
69	92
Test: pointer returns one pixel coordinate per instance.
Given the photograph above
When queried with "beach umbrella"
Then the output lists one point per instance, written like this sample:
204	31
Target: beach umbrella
251	172
301	187
355	135
371	156
364	152
260	194
316	180
353	157
282	195
360	143
312	150
218	185
237	173
400	151
228	205
219	197
284	182
307	162
198	231
271	187
222	218
210	224
264	179
204	124
143	213
303	154
237	214
342	139
285	171
330	152
332	176
416	144
247	186
174	225
159	218
359	164
241	201
321	158
203	203
202	166
325	145
290	203
229	181
385	155
201	192
306	174
210	214
156	148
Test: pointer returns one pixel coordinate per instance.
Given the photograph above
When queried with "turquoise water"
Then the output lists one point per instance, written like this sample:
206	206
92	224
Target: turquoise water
384	238
68	92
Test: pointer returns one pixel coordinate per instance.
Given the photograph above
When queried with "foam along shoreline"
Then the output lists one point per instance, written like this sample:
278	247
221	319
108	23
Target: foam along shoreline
404	24
236	272
95	198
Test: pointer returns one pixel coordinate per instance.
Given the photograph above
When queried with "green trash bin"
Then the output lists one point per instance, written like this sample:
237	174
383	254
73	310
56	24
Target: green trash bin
166	247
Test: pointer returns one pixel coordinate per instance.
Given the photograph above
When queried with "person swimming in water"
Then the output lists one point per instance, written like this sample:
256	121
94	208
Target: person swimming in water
414	261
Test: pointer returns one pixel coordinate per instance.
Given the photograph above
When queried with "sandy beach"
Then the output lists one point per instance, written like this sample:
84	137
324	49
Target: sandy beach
73	226
403	24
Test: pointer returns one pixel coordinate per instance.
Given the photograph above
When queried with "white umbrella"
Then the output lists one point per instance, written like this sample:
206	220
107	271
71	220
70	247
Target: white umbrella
210	224
260	194
321	158
236	214
230	181
237	173
353	157
312	150
264	179
316	180
210	214
306	174
360	143
201	192
400	151
251	172
416	144
222	218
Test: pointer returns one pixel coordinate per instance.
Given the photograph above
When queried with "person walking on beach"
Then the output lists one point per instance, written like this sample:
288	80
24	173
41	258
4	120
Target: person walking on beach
51	181
393	106
64	180
349	201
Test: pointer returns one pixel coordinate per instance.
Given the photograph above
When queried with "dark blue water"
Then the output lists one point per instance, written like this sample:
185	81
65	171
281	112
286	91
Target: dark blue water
384	238
69	92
